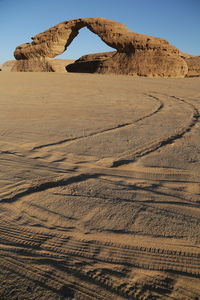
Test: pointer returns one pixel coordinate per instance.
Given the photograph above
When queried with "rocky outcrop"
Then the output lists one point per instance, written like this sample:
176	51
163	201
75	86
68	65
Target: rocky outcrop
41	64
193	66
140	63
59	65
185	55
136	54
193	63
8	65
89	63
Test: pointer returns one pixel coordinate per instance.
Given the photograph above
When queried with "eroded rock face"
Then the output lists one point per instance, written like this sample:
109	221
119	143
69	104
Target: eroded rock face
139	63
136	54
193	66
90	63
8	65
41	64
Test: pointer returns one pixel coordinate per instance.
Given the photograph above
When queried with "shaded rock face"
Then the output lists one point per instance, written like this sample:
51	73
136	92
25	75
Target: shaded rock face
147	64
136	54
90	63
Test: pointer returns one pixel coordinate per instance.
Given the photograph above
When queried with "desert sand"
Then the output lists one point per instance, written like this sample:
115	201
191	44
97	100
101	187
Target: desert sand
99	187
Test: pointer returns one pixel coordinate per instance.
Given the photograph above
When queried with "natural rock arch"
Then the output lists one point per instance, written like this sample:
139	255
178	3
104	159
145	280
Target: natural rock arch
136	54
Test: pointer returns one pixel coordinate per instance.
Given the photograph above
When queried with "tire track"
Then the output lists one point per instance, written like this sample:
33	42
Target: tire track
149	148
152	174
45	185
35	187
74	263
66	255
125	160
85	281
170	196
140	257
49	280
112	129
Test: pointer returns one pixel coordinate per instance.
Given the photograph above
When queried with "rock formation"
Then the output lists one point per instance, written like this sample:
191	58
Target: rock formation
8	65
54	65
136	54
89	63
185	55
59	65
193	66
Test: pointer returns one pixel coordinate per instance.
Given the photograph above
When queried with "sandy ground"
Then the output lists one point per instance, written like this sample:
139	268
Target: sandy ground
99	187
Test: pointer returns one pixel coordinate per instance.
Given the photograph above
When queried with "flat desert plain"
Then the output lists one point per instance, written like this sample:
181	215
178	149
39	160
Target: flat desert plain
99	187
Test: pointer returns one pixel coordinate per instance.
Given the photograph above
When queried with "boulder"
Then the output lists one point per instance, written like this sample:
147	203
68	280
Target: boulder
136	54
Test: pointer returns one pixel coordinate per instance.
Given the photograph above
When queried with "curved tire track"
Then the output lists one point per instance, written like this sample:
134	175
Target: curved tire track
75	262
112	129
126	159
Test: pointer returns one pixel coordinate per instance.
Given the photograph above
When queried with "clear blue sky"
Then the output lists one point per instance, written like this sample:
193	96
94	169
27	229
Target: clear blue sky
178	21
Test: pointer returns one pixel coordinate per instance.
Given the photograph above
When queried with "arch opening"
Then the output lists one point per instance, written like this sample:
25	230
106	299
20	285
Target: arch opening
86	42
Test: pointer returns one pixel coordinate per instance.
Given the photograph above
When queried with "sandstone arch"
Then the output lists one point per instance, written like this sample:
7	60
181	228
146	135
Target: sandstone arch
135	54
